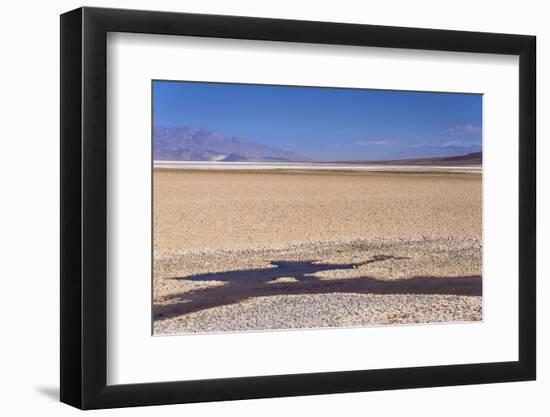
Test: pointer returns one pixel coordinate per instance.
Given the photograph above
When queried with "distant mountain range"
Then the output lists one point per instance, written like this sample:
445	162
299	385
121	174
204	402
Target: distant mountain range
470	159
195	144
415	152
474	158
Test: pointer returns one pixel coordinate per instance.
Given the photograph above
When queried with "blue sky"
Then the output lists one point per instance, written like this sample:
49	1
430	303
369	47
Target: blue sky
326	123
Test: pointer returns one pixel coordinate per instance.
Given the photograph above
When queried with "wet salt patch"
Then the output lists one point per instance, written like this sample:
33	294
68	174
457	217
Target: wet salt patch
304	167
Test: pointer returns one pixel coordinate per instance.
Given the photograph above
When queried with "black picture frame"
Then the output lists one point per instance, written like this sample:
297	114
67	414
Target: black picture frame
84	207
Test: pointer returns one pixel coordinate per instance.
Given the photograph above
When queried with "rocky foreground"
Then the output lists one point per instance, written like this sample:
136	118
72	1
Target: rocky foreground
358	282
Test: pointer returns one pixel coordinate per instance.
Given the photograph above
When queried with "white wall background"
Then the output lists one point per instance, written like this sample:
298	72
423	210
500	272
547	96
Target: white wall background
29	237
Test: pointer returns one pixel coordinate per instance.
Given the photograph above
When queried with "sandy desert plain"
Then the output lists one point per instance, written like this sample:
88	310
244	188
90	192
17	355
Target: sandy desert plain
262	247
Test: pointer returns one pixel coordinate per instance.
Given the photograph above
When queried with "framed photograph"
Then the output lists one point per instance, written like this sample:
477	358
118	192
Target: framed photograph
260	208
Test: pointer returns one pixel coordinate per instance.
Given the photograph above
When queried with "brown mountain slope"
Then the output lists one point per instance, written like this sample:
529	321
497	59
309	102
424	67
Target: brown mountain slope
474	158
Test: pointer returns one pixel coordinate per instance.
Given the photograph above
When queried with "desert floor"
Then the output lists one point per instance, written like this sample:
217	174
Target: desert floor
236	251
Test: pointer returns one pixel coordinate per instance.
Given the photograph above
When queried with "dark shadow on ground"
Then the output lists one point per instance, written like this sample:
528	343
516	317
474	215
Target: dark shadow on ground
240	285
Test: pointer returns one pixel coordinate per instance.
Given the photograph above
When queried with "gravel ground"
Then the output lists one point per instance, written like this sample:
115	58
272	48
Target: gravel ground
326	310
234	210
324	284
253	251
